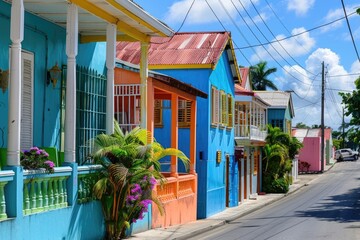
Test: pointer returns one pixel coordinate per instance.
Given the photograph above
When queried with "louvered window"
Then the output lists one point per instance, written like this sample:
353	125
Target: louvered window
27	61
158	113
184	113
215	108
224	110
230	110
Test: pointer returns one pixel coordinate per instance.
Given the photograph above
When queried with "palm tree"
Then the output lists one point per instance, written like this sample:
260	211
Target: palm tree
259	76
130	169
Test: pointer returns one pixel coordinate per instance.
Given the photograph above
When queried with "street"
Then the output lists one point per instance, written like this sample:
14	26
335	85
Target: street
328	208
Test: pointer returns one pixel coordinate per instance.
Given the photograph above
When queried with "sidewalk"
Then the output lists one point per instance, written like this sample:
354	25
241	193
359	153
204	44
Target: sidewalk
192	229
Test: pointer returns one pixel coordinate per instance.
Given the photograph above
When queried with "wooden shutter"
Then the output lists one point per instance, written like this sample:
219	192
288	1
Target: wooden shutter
224	110
27	61
158	113
230	110
184	113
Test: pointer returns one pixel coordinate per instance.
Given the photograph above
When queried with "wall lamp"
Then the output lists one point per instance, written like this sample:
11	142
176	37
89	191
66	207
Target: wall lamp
4	80
53	75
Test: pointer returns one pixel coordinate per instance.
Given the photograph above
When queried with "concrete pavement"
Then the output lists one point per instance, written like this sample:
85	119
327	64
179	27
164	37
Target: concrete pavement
192	229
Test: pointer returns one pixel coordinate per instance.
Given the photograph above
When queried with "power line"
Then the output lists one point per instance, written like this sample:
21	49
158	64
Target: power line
258	13
281	22
348	24
297	34
265	38
226	30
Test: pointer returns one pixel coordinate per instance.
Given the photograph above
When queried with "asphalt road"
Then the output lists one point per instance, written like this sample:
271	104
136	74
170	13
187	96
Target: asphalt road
328	208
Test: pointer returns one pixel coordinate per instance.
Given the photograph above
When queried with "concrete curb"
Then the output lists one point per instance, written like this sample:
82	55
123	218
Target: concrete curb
200	231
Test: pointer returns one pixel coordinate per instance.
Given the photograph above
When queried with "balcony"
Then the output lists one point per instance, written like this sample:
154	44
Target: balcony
249	134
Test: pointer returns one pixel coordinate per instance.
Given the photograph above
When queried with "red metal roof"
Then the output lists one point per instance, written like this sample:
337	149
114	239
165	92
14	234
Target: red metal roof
244	73
182	48
240	90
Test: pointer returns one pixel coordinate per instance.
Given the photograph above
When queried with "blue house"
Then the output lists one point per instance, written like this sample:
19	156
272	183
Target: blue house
280	110
57	61
207	61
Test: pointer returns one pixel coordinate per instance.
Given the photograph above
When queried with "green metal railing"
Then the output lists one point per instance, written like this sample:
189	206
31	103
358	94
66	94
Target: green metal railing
5	177
44	192
87	177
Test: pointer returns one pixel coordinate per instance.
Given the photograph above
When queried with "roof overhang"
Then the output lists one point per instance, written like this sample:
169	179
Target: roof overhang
133	23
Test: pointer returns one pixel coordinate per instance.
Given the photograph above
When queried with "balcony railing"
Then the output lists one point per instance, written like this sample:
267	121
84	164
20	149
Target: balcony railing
44	192
249	132
5	177
86	181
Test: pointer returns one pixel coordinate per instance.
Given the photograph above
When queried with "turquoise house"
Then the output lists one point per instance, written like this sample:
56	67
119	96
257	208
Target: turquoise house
206	61
280	109
57	61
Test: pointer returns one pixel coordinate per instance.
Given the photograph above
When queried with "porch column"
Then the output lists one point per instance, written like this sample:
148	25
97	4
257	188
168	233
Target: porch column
260	169
70	108
174	133
248	172
15	92
110	65
143	88
193	138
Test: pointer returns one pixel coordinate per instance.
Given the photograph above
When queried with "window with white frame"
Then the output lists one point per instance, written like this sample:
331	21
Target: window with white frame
221	108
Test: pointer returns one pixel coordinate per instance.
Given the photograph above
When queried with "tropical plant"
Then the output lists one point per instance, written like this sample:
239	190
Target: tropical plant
279	150
259	77
131	168
352	103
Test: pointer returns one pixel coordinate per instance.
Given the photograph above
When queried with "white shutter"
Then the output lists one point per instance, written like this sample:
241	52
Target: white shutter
27	60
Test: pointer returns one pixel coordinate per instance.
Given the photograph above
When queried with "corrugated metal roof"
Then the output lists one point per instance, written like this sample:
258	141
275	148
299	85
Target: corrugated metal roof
182	48
275	98
244	74
301	133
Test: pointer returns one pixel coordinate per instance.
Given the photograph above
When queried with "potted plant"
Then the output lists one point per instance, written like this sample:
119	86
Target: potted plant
131	169
36	159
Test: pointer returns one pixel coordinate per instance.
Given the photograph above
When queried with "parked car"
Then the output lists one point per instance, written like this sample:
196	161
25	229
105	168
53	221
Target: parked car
346	153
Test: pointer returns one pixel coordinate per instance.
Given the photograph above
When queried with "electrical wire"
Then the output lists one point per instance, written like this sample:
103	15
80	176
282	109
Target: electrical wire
281	22
274	59
297	34
348	24
268	28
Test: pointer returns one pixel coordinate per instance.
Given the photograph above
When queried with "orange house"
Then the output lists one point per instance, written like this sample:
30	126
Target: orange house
179	194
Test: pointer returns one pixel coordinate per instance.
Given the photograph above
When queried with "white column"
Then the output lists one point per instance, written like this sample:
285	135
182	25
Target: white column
15	92
110	65
143	88
248	172
70	108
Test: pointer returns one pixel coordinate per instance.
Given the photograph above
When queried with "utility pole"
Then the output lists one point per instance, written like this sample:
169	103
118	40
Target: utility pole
343	129
322	116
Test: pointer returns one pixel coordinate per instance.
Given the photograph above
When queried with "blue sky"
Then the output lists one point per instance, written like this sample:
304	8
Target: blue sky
297	59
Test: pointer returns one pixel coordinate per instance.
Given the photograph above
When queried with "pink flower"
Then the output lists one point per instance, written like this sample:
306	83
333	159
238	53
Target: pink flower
50	163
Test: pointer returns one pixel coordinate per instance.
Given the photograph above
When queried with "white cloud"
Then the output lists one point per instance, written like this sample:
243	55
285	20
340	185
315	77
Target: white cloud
300	7
335	14
296	46
201	12
337	78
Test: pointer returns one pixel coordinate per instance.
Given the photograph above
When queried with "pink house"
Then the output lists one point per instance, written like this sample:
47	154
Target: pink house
311	152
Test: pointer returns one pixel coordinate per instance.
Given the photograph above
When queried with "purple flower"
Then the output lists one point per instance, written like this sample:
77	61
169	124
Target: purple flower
34	149
145	203
46	154
38	152
136	188
153	181
144	178
50	163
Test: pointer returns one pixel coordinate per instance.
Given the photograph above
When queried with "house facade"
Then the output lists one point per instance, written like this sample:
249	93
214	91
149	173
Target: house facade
179	192
40	107
207	62
280	110
310	155
250	134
